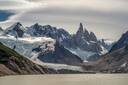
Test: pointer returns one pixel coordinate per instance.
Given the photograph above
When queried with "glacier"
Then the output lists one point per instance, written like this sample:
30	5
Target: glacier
25	45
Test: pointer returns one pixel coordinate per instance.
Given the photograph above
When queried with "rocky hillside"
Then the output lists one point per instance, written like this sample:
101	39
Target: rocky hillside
115	62
13	63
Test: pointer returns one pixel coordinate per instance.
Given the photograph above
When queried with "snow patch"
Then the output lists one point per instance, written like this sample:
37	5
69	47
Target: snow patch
104	50
123	65
81	53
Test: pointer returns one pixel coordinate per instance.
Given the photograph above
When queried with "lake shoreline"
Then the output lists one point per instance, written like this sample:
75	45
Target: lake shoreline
65	74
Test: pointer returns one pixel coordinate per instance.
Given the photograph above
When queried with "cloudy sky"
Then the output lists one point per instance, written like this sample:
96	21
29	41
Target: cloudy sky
107	18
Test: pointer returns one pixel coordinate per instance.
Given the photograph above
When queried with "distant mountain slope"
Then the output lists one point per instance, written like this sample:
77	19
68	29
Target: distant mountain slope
13	63
116	61
16	30
123	41
60	55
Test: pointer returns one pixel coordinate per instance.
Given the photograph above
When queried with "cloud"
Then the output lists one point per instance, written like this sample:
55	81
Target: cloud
16	9
102	5
106	16
17	5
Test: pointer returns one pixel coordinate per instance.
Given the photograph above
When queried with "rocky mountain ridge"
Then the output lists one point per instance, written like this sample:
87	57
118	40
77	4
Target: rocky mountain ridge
122	42
83	39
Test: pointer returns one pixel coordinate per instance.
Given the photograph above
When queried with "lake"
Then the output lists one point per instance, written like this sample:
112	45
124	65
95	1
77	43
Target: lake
66	79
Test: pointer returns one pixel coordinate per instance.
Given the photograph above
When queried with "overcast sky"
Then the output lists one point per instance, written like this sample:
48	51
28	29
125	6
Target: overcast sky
106	18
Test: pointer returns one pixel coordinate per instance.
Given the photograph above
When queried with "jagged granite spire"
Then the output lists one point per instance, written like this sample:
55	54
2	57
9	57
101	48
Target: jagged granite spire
79	34
81	29
86	34
93	37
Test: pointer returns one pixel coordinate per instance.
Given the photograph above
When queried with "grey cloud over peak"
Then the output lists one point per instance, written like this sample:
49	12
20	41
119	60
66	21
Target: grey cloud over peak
107	18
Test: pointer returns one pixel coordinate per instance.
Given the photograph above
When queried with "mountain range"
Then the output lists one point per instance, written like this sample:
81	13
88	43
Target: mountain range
83	43
58	50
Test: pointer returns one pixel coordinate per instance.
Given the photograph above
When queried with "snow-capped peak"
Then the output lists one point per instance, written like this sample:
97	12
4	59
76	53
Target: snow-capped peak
16	30
15	26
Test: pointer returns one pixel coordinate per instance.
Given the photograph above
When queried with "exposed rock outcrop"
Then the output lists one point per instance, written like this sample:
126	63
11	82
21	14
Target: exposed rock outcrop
60	55
16	30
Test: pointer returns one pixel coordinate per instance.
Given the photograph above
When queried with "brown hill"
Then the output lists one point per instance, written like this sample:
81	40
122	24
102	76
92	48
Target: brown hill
114	62
13	63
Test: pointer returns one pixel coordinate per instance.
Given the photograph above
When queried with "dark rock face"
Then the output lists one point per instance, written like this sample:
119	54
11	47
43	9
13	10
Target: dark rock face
93	37
60	56
79	33
86	35
17	30
123	41
1	29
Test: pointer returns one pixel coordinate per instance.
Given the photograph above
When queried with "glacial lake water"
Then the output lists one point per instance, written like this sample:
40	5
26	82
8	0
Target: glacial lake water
66	79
